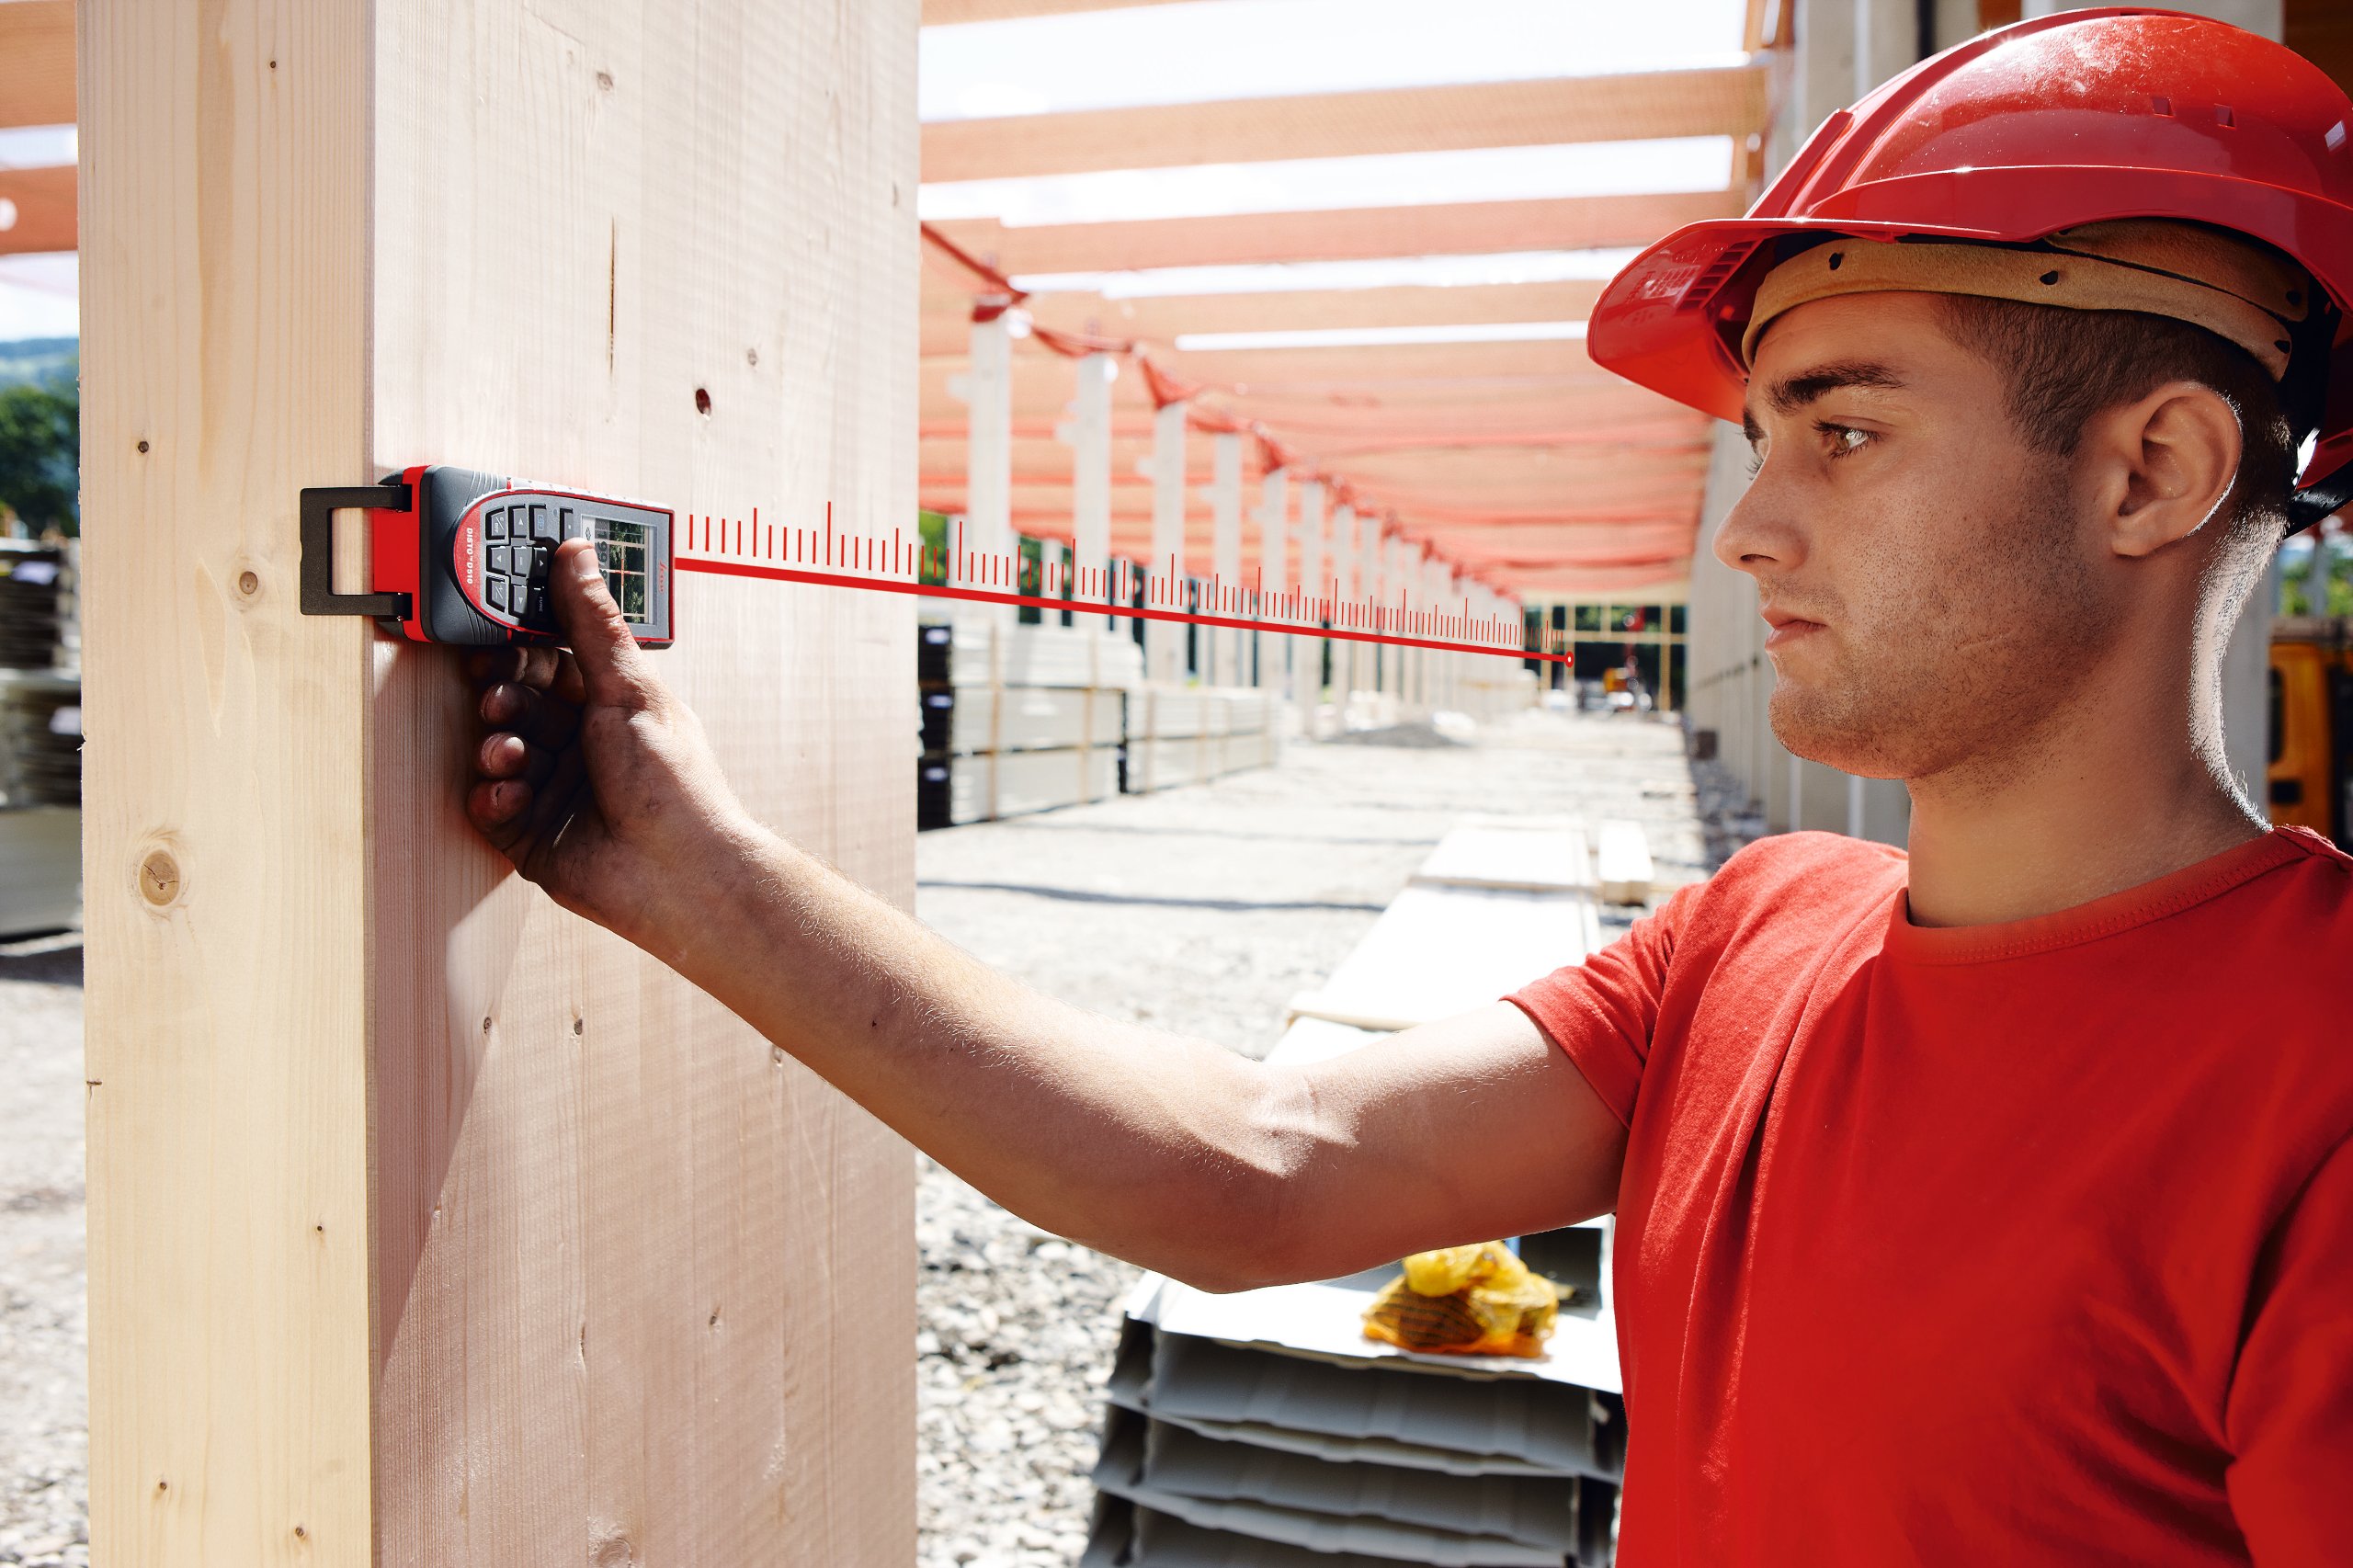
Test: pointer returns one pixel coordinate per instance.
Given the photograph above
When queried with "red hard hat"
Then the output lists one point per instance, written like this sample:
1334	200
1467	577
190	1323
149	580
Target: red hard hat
2041	125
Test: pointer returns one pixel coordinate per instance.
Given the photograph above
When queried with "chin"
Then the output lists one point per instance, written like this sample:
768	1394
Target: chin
1837	731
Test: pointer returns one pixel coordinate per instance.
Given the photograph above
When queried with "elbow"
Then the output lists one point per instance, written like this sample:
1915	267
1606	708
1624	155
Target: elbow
1263	1234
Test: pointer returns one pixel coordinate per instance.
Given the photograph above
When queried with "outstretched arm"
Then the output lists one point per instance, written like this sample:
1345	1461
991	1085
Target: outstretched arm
595	782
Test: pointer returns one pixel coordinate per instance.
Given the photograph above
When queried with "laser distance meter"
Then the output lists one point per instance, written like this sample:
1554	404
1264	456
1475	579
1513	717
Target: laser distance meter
461	556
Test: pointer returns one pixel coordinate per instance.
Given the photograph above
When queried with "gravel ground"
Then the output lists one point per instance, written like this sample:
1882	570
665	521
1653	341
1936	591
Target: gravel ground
44	1405
1201	910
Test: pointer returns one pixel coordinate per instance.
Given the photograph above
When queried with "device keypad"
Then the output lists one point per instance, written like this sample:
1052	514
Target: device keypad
515	574
519	549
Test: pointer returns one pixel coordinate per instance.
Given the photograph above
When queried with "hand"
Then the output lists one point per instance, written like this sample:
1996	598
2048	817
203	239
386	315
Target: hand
594	781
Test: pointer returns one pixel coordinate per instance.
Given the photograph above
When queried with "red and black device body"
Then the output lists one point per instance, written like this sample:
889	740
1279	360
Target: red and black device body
461	556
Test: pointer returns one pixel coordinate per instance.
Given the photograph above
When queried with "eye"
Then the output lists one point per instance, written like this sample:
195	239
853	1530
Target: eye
1842	441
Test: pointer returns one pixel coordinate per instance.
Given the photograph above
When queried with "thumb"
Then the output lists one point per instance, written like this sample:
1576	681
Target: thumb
612	667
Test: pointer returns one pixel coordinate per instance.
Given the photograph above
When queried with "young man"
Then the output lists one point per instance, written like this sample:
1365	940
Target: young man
1990	1202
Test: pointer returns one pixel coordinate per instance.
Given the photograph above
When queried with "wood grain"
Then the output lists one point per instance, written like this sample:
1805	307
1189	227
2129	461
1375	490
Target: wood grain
646	1290
224	355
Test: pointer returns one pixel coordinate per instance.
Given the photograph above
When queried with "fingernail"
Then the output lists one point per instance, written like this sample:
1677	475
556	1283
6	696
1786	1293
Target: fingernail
583	565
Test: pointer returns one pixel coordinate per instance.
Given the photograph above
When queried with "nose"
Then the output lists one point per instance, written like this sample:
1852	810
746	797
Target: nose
1757	535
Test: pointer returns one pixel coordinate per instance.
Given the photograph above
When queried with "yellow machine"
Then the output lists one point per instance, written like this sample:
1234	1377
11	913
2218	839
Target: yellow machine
2312	724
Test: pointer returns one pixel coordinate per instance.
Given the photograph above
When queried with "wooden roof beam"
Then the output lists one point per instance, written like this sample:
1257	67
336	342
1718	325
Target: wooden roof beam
1626	105
37	62
954	13
947	324
1164	318
42	201
1358	234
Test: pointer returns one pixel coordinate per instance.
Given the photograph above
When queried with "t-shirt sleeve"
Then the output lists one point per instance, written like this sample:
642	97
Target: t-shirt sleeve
2289	1419
1601	1012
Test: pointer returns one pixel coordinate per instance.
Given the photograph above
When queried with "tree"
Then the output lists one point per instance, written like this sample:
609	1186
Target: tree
41	447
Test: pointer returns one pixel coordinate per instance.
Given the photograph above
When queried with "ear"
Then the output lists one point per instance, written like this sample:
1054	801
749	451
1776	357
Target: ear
2161	467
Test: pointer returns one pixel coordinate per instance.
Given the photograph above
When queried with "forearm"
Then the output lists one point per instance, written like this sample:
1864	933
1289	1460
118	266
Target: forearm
1162	1149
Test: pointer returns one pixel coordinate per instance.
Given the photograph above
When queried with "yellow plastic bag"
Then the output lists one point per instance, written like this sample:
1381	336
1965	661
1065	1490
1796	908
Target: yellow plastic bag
1468	1301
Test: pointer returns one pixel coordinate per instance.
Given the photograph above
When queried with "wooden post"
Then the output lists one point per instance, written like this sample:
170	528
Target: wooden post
1225	554
428	1225
1090	477
1164	641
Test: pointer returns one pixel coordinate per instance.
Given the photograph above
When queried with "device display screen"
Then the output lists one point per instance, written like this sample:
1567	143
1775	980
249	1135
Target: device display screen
620	551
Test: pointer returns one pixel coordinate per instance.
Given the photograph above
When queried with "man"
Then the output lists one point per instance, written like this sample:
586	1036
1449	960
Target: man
1990	1203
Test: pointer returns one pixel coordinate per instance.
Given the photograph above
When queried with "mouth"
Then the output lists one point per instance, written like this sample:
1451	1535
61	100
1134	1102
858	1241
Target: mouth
1787	627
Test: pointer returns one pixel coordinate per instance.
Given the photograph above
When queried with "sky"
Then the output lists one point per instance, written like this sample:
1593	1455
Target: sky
1231	49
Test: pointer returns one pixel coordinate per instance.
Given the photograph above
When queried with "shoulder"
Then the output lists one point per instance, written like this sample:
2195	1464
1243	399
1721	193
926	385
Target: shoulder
1790	893
1806	870
2302	902
2319	857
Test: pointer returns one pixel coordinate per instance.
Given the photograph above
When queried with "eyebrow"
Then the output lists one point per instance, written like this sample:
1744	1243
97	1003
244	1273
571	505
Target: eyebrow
1791	394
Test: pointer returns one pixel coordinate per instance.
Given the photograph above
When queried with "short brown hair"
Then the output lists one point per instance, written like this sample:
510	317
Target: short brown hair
2065	367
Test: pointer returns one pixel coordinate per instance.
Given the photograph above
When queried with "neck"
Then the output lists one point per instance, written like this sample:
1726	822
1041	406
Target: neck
2107	791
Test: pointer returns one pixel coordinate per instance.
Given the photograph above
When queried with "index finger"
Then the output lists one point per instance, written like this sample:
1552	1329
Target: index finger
542	667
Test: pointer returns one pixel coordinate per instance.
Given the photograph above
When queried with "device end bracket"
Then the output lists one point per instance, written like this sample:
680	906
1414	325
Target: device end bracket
320	504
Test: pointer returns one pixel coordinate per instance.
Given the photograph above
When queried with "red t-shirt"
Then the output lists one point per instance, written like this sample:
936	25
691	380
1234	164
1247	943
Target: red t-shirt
2020	1244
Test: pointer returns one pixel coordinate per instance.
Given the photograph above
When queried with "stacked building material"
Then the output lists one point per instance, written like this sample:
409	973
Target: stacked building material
1191	734
40	742
1264	1430
41	739
1018	719
33	584
1494	688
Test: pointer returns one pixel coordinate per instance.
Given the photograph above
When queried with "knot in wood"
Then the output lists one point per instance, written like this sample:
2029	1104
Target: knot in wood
159	877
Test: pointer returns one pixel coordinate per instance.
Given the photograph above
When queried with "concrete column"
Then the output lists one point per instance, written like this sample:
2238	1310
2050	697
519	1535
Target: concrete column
1307	652
1164	641
1223	643
1346	582
1429	581
1274	563
987	542
1414	571
1090	478
1402	580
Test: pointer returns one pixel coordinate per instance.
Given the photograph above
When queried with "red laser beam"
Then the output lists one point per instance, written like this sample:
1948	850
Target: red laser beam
1398	624
1136	612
